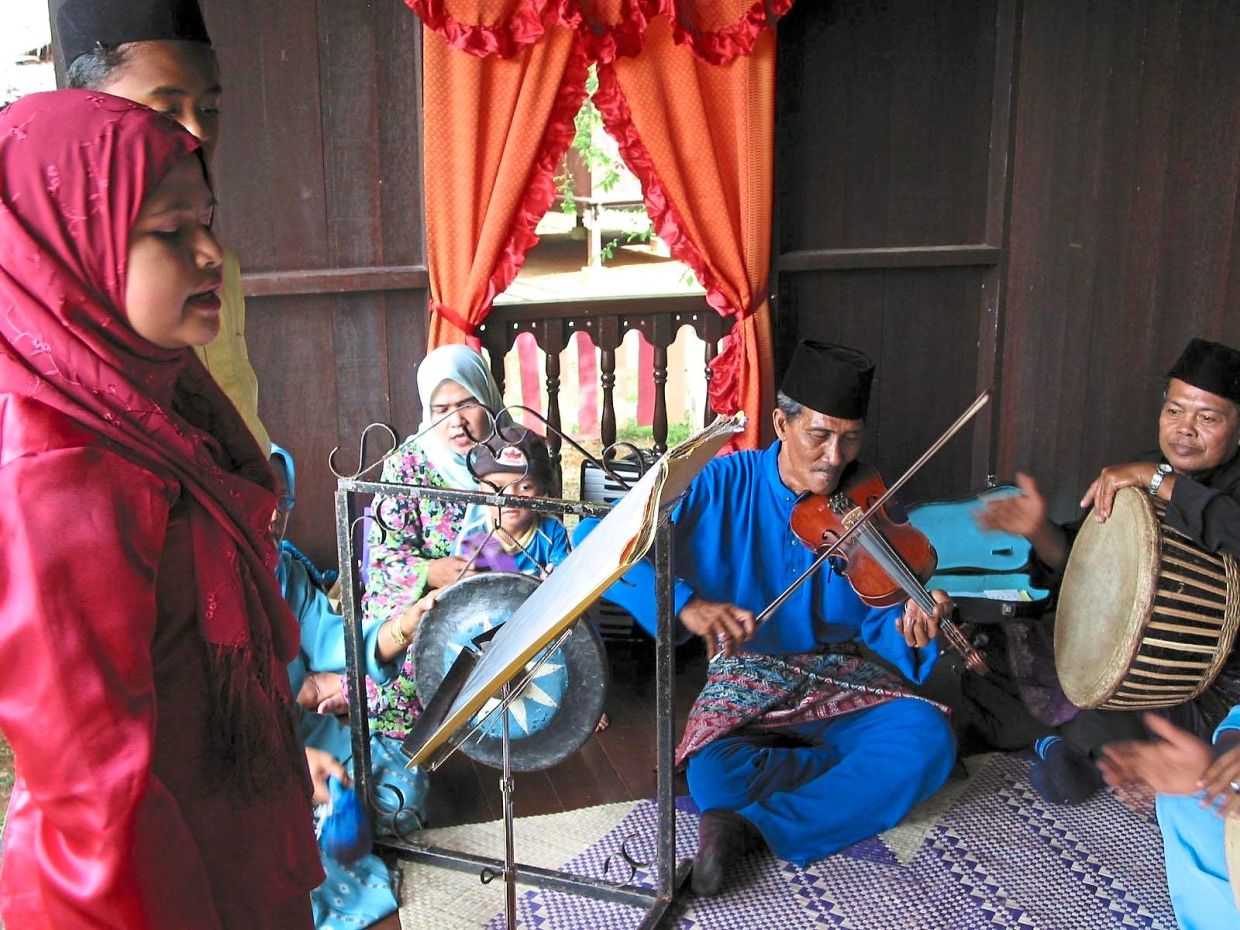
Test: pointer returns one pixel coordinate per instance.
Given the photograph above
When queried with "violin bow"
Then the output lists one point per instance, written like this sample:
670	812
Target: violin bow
844	537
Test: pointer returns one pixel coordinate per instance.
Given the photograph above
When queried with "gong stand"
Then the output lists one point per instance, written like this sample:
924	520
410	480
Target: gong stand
670	875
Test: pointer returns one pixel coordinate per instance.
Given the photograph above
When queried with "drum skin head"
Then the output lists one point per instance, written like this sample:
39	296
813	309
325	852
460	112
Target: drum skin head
558	708
1108	586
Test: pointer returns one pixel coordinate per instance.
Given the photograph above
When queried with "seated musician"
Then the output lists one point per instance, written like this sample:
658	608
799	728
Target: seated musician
796	740
411	540
1197	473
1198	804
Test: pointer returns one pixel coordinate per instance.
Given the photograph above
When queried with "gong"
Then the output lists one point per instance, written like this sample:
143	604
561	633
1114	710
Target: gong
561	701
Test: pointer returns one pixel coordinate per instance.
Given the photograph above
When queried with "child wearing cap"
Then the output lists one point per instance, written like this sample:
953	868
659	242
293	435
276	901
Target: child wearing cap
518	463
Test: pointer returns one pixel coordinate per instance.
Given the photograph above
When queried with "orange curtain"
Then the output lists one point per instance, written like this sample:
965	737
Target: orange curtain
494	130
700	137
688	89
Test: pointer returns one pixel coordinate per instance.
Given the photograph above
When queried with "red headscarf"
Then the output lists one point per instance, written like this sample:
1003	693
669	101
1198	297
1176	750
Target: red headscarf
75	167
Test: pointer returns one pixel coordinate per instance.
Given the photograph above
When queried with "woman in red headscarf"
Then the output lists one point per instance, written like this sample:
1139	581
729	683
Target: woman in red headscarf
143	638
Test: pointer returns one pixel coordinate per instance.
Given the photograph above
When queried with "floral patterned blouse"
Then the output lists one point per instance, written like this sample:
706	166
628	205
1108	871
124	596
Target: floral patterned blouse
417	531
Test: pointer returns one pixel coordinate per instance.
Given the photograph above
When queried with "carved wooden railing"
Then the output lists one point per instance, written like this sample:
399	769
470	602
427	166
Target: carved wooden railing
606	320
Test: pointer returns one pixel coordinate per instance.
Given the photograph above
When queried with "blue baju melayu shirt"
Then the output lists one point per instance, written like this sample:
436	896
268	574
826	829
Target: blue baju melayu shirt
734	544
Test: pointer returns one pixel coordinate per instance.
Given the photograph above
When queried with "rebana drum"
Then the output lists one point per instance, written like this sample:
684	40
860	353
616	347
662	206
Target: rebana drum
1146	617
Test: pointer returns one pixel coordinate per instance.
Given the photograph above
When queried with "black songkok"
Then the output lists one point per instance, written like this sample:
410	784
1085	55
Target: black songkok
1210	366
81	25
515	452
829	379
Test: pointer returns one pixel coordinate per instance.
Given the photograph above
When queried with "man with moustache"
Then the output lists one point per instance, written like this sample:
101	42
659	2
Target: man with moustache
1196	473
796	739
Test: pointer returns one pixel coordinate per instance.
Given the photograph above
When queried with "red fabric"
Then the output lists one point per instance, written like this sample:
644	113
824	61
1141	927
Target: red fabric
587	386
712	30
645	383
143	636
531	382
649	52
515	24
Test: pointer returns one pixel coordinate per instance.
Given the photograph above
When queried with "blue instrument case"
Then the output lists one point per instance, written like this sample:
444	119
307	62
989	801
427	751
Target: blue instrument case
988	573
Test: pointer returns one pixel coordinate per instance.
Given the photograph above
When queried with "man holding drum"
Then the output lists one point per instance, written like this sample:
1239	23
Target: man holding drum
1197	475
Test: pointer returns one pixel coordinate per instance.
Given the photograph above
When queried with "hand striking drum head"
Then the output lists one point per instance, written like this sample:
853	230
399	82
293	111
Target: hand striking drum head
558	708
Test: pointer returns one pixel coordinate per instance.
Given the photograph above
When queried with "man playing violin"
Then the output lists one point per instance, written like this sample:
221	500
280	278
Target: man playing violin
796	739
1196	472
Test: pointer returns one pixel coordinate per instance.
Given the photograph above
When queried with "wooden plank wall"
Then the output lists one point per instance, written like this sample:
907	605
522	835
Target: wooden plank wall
1041	195
891	177
320	189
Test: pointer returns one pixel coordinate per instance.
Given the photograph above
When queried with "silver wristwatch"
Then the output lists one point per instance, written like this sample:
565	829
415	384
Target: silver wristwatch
1160	473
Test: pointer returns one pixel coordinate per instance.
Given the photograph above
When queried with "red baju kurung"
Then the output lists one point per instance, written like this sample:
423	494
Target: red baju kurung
143	639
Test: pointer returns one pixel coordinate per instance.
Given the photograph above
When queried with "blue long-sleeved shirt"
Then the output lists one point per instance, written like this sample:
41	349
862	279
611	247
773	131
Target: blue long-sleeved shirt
734	544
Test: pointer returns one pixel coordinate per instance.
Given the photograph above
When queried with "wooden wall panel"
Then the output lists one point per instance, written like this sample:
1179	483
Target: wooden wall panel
884	113
1043	193
1123	225
920	328
320	170
892	172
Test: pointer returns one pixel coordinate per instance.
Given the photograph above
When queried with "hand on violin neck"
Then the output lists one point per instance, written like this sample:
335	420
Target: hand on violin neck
918	627
726	626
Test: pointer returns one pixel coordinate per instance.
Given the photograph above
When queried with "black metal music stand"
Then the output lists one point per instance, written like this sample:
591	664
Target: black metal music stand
670	875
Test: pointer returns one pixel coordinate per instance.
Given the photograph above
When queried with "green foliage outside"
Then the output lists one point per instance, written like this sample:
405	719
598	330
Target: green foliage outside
6	778
643	436
596	160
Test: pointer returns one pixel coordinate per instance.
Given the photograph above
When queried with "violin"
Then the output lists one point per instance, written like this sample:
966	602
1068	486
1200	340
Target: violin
885	561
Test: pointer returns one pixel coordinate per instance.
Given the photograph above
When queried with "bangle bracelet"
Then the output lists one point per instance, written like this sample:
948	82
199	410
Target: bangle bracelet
397	634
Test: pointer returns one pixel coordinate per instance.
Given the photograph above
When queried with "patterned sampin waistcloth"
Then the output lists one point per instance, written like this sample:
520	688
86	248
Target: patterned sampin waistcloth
771	692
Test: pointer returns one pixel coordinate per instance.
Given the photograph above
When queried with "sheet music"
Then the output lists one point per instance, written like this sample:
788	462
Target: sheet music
623	537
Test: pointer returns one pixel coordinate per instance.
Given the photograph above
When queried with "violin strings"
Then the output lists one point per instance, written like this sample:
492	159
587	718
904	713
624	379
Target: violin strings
912	584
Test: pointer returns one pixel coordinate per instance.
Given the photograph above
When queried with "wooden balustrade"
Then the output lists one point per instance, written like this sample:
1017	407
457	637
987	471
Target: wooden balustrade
606	320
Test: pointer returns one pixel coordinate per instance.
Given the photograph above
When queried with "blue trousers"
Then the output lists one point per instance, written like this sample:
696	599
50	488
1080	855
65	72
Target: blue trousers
816	788
1196	864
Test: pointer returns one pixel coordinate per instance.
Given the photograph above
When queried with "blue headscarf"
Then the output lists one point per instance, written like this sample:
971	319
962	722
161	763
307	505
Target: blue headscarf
468	369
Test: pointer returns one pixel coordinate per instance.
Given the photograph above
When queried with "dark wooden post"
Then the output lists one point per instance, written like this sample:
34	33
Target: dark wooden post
608	342
708	328
551	339
662	335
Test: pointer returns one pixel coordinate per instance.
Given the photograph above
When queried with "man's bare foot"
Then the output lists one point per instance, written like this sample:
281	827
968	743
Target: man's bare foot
603	724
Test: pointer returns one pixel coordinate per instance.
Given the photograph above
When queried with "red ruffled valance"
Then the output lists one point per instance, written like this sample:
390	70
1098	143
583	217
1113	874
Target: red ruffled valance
525	24
609	29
